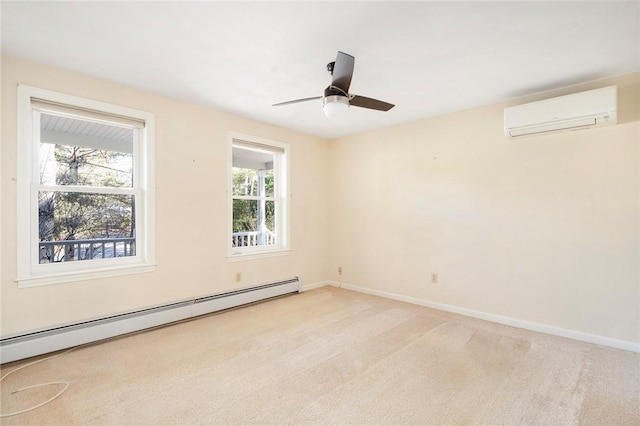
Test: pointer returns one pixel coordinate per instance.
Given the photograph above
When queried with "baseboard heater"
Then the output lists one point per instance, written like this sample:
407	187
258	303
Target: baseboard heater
54	339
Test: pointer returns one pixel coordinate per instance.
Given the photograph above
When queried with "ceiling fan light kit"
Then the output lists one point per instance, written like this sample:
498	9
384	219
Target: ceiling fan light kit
336	99
335	106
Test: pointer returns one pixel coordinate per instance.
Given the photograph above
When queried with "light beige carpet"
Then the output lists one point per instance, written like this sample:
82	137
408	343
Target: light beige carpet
331	356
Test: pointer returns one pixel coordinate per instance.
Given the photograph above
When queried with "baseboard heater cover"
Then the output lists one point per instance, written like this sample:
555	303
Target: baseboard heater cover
44	341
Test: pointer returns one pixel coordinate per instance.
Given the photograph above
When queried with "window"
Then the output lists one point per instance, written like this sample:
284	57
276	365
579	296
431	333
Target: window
258	202
85	188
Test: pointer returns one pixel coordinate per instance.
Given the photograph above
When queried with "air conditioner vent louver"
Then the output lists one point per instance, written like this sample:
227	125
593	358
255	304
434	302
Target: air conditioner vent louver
578	111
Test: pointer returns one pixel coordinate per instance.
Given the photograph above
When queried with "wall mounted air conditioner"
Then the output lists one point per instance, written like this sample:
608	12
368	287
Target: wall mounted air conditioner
583	110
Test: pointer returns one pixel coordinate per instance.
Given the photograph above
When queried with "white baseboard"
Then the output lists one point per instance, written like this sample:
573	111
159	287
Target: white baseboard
307	287
513	322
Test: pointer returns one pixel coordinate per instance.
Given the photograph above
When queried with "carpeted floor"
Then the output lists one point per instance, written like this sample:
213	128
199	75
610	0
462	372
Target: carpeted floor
331	356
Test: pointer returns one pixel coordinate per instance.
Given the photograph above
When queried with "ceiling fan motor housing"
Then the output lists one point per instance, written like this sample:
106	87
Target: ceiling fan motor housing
334	91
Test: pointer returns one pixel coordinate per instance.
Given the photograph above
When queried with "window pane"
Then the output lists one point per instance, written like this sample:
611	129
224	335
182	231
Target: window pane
270	218
78	152
83	226
268	183
245	215
245	181
257	183
253	223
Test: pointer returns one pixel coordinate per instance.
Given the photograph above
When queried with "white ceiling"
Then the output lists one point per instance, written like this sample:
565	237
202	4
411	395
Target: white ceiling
428	58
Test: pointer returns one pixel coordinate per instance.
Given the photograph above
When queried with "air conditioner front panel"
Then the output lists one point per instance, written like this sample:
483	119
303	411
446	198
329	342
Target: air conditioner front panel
580	110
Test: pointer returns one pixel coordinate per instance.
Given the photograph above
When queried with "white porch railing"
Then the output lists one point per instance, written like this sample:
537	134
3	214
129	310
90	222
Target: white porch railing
251	239
99	248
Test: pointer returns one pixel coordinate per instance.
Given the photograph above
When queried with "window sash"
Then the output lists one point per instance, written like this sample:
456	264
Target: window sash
37	187
37	140
88	189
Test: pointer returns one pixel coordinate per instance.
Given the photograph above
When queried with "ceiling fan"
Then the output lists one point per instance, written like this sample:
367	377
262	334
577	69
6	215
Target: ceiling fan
336	99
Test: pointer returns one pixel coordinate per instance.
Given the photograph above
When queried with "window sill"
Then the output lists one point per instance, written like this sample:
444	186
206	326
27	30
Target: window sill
67	277
239	257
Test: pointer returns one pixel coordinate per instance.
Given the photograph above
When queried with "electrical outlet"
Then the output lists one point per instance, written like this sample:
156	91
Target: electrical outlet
339	270
238	277
434	278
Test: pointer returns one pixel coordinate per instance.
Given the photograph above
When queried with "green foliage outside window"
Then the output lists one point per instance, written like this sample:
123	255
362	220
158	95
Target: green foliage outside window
245	212
84	215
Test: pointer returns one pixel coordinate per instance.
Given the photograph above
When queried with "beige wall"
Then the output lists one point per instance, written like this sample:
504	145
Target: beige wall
543	229
191	208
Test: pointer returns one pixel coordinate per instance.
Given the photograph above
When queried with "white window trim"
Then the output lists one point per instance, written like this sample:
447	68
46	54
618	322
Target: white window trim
29	272
283	247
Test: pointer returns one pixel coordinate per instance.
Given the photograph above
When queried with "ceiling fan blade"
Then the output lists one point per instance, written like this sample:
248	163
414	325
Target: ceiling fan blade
342	71
364	102
297	101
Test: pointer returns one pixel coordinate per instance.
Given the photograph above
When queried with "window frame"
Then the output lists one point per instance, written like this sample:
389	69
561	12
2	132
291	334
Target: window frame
282	152
30	272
